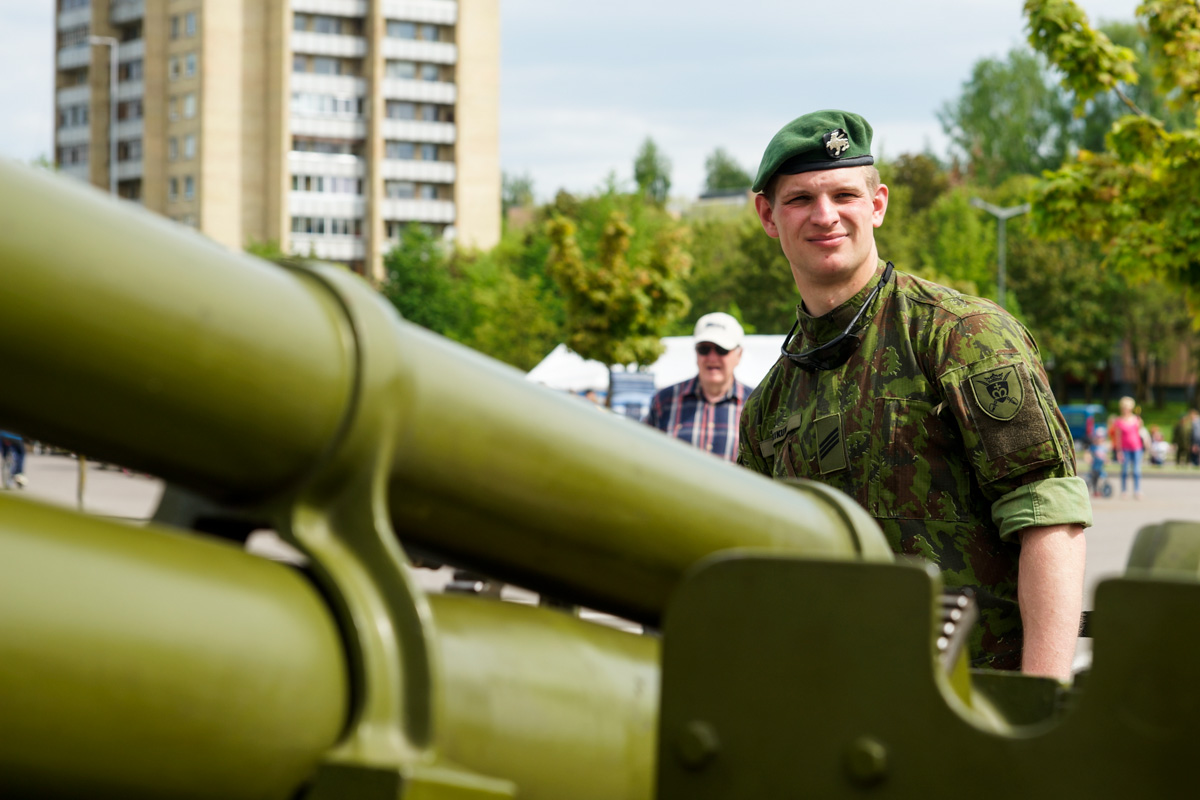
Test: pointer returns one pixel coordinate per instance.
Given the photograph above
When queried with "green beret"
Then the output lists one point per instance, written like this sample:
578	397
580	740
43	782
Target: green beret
820	140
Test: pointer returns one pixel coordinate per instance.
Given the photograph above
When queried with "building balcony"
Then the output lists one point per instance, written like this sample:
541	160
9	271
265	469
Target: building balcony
328	44
128	170
74	57
131	50
338	8
420	91
422	171
409	130
130	129
74	135
130	90
441	12
73	96
329	247
342	166
80	172
414	50
417	210
322	204
329	127
126	11
342	85
75	18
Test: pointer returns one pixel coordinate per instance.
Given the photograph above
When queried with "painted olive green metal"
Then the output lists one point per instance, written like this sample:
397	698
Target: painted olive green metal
142	663
231	376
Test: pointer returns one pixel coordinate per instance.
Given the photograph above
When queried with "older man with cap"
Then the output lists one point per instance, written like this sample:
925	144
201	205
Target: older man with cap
703	411
928	407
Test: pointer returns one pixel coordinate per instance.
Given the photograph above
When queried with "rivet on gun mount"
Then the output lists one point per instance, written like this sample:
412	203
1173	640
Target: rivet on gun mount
697	745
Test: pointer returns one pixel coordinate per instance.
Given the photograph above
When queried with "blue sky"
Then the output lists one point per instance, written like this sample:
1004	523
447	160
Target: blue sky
583	84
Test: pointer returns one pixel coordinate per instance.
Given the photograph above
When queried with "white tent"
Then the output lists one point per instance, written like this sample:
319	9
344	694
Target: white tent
569	372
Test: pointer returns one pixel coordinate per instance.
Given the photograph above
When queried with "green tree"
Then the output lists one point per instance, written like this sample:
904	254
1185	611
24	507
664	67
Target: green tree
1010	119
419	284
652	173
1134	199
723	173
925	177
516	191
622	284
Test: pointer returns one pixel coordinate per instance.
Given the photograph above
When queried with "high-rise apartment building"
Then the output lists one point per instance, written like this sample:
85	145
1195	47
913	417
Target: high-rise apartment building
324	125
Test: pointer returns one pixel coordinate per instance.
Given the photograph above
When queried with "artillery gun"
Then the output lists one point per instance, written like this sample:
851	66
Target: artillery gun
790	654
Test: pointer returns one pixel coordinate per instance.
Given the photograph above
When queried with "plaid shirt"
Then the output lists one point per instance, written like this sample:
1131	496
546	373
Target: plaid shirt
684	412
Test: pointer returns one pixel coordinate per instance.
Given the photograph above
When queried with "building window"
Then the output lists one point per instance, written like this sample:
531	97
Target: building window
429	152
300	22
302	144
429	113
299	63
189	146
323	65
397	109
403	151
73	155
173	108
404	70
70	5
428	192
189	23
172	148
324	24
189	65
73	37
189	105
430	33
130	70
173	188
175	27
401	30
173	71
400	190
130	150
72	116
430	72
130	109
189	187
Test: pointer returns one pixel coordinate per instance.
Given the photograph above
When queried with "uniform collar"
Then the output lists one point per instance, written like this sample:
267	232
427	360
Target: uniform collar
818	330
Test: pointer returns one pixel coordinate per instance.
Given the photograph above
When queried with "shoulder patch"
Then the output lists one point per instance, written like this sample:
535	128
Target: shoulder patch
999	393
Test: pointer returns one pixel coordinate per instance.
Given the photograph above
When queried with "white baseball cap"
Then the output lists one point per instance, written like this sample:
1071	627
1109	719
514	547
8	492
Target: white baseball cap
720	329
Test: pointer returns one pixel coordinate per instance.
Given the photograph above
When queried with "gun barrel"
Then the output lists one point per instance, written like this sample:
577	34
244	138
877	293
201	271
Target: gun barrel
160	350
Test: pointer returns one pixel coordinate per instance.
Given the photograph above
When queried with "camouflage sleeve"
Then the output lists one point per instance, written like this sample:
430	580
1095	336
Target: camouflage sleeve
749	452
1017	442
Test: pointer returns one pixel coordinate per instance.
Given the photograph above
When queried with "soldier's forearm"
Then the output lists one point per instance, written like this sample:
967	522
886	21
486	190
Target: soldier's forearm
1050	592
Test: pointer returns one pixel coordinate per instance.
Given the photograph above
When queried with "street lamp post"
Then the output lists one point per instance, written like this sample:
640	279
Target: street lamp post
1002	215
112	44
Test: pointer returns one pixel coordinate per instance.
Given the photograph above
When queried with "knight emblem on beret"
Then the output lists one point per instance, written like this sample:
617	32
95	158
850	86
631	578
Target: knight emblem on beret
836	143
999	392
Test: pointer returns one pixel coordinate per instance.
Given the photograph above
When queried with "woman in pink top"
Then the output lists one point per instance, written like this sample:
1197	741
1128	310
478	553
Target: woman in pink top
1128	431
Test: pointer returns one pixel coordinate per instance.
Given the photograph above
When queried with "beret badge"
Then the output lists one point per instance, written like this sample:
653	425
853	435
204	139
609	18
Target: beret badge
836	143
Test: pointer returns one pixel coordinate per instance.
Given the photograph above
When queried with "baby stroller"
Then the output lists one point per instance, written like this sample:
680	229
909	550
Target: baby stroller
1097	478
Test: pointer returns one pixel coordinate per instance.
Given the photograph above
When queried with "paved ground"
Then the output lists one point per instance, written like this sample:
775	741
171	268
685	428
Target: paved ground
1169	495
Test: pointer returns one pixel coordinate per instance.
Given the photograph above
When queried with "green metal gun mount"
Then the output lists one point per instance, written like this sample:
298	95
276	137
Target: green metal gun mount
796	657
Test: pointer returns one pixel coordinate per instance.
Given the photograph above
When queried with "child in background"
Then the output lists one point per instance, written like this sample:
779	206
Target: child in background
1097	455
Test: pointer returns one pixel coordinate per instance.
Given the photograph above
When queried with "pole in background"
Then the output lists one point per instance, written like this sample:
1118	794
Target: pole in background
1002	215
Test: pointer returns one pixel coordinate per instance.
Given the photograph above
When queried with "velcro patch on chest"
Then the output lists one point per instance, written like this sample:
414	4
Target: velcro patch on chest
999	393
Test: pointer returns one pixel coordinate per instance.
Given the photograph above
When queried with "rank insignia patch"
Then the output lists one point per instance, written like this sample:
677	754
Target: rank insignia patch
836	143
831	445
999	392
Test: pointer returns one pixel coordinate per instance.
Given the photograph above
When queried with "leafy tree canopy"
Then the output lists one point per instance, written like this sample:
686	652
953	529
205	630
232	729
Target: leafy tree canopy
652	173
723	173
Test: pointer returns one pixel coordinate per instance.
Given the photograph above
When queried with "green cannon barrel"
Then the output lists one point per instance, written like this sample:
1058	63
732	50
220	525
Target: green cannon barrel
162	351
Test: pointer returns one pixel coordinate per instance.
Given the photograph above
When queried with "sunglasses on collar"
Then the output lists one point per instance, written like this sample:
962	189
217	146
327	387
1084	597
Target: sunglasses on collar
838	350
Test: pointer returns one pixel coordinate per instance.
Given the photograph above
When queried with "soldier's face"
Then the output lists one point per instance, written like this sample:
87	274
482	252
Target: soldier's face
825	221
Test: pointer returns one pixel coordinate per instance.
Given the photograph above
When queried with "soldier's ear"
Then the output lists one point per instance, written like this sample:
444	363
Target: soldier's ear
766	215
879	205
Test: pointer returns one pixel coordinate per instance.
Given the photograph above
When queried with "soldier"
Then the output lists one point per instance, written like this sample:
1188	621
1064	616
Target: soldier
928	407
703	411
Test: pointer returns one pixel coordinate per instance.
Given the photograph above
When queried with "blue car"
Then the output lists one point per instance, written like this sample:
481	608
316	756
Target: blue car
1083	419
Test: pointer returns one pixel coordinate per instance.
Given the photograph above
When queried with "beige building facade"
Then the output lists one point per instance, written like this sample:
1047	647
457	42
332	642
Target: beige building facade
324	125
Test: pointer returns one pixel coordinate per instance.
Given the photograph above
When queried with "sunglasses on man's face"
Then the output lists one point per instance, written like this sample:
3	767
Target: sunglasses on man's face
704	348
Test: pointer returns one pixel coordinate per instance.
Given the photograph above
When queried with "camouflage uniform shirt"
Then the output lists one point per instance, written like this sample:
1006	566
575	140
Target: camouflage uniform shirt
942	426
